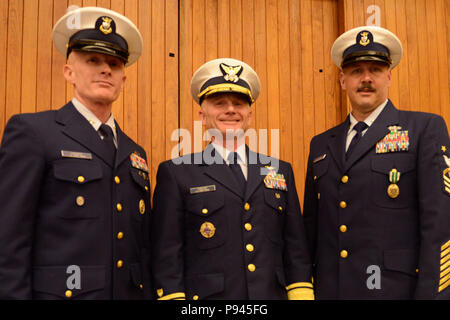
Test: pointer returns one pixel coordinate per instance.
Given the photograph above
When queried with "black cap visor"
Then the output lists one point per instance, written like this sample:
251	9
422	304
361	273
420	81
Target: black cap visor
98	47
366	56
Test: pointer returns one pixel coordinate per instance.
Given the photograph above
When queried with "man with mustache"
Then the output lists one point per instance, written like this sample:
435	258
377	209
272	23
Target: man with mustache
377	194
226	223
74	187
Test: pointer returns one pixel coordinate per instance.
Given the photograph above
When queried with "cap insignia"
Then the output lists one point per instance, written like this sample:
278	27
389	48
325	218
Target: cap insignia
105	27
364	40
231	73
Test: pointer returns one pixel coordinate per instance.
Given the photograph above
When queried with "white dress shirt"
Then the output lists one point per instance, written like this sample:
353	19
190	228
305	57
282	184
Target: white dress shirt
369	120
93	120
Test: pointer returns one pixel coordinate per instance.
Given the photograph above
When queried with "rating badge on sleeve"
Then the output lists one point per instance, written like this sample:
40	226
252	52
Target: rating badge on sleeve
446	174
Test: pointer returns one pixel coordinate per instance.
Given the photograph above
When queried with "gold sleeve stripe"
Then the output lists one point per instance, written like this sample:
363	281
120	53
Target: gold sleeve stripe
446	245
445	259
446	271
299	285
445	278
301	294
445	265
444	252
173	296
443	286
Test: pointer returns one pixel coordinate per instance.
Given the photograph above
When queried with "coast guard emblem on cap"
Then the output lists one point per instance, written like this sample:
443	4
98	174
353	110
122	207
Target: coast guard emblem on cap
105	27
364	39
231	73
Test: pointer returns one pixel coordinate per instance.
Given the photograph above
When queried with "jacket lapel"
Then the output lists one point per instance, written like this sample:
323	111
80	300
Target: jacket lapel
125	146
377	131
255	175
337	141
79	129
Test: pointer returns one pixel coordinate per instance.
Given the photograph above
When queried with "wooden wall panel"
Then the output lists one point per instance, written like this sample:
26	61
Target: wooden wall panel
287	42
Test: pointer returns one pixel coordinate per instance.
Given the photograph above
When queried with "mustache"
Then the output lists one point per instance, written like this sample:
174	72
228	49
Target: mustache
366	86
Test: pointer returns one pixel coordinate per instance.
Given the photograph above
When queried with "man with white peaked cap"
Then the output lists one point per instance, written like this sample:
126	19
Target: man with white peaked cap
226	224
74	222
377	194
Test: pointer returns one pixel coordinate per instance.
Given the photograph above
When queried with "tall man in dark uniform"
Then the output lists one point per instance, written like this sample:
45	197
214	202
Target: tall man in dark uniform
225	225
377	198
74	187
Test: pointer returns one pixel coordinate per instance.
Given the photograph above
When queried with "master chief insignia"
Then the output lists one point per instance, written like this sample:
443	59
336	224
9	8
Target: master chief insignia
207	230
364	38
446	174
105	27
231	73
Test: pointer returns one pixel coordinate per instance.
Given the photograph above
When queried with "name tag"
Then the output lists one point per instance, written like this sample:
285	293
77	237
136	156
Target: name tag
320	158
203	189
76	155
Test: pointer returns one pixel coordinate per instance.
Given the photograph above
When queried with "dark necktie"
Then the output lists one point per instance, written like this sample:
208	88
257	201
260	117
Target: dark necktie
108	139
237	171
359	128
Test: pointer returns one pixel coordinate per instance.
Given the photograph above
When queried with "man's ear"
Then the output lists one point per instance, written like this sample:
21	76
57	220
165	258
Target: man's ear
342	80
68	73
202	115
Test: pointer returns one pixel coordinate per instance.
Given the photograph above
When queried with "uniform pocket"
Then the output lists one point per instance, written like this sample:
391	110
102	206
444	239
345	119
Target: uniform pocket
381	166
206	222
204	285
274	217
75	183
401	260
77	171
52	281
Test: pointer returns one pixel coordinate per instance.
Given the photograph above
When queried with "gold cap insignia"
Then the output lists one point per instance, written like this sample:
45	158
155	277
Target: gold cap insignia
231	73
105	27
207	230
364	41
160	292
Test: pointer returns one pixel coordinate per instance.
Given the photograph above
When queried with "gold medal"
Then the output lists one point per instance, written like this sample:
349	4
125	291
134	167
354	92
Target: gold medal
393	191
207	230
